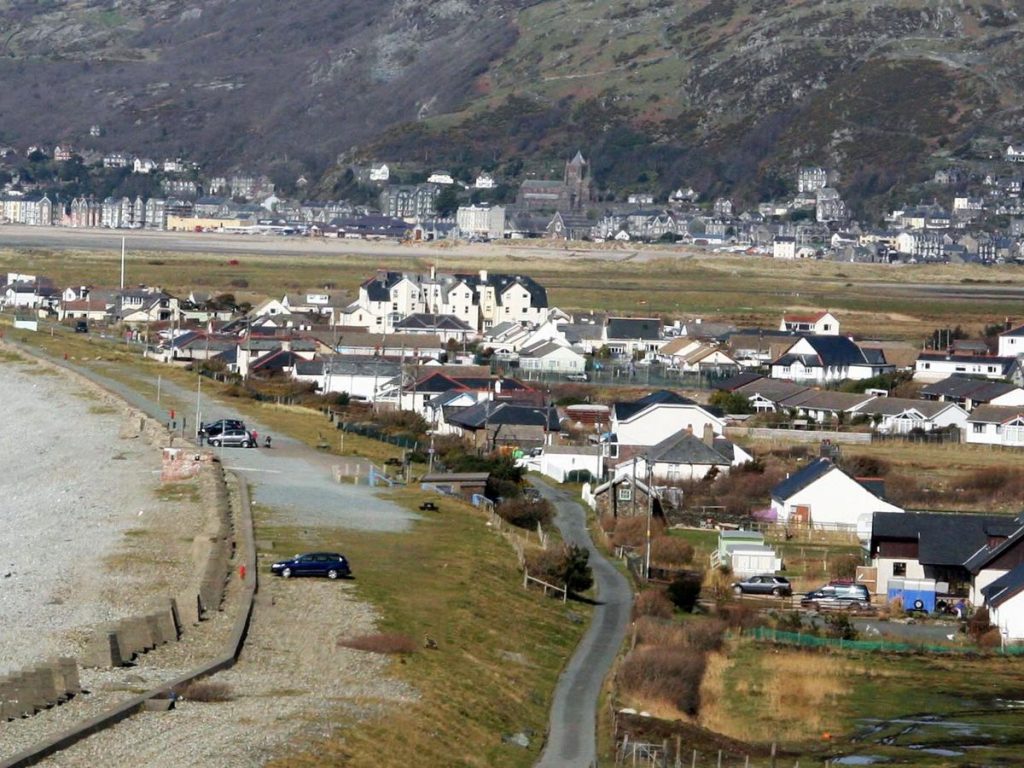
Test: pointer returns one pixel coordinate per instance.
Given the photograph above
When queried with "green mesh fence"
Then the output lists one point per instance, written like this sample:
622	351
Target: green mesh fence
885	646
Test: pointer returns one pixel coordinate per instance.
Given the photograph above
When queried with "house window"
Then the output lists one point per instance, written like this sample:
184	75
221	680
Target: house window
927	366
899	569
394	306
625	493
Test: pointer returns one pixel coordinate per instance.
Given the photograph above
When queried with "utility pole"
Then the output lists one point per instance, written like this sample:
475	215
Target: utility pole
650	514
122	263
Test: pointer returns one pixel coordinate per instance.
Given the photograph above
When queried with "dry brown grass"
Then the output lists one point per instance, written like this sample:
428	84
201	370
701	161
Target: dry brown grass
390	643
799	689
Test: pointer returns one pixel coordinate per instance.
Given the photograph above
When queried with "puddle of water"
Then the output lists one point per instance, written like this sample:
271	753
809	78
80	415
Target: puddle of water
937	751
858	760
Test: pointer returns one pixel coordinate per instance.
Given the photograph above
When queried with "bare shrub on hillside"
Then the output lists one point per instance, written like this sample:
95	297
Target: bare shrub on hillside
866	466
632	531
653	602
671	551
526	513
660	674
705	636
383	642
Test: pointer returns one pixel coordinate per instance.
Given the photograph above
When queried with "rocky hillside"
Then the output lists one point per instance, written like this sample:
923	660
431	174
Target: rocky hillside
719	94
239	81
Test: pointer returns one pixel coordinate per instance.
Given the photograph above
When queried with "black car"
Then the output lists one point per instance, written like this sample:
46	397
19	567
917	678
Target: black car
329	564
214	428
767	584
82	326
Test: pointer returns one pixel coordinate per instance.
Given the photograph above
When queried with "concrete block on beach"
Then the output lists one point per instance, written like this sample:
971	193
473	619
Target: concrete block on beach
49	685
104	649
69	671
189	610
156	629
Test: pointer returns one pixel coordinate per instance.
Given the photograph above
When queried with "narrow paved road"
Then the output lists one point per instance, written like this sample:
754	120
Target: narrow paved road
572	729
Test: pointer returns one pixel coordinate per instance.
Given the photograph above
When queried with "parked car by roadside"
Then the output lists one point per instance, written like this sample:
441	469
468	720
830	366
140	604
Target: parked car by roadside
214	428
838	595
82	326
767	584
577	377
329	564
233	438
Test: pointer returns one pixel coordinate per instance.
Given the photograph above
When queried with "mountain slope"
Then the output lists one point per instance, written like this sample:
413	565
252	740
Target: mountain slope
725	95
240	80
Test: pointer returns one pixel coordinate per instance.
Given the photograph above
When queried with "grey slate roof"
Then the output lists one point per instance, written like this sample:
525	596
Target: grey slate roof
943	539
834	351
686	448
985	555
624	411
646	328
1005	587
802	478
490	413
964	387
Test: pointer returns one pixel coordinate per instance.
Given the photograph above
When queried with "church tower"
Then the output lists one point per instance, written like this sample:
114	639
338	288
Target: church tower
577	182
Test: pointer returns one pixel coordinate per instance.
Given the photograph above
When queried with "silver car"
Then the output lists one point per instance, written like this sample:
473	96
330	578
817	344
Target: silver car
233	438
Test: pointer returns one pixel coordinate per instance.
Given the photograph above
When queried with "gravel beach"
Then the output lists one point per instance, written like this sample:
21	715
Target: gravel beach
69	491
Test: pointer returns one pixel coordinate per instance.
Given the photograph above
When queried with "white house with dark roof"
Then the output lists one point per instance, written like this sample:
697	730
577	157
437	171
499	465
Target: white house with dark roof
933	545
815	323
1011	342
684	456
935	366
900	415
825	359
823	495
996	425
551	357
656	417
970	392
630	336
1004	599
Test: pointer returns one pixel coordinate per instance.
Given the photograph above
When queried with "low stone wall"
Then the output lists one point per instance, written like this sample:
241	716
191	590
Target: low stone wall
798	435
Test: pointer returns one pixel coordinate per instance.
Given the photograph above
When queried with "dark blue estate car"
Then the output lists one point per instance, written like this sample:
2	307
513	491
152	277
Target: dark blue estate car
329	564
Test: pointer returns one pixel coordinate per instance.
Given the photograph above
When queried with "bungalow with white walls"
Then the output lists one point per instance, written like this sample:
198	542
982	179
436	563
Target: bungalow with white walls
996	425
901	415
551	357
829	358
684	456
823	495
934	366
356	375
1011	342
970	392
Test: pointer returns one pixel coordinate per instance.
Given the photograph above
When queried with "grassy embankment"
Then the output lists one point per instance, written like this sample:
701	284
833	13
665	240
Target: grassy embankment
499	647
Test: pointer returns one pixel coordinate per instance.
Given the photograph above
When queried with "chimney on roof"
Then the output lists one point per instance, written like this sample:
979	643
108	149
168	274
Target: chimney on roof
483	275
433	272
709	436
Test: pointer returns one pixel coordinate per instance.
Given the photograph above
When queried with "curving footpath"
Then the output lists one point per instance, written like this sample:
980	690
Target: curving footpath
572	728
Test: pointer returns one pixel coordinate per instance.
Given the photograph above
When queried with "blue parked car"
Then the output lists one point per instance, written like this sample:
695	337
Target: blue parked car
329	564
